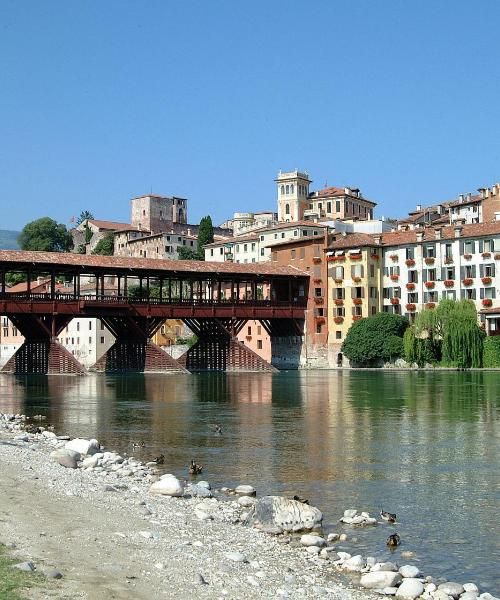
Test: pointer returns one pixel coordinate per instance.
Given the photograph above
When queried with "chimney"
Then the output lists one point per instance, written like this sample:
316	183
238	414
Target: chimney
438	233
439	209
420	236
419	207
344	234
347	190
378	239
189	231
469	196
482	192
461	198
457	231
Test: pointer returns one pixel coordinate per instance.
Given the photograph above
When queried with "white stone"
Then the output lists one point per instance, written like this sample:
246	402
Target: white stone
66	458
451	588
343	537
384	566
167	487
50	435
469	596
410	588
470	587
409	571
83	446
246	501
333	537
343	556
90	462
380	580
202	515
355	563
22	437
351	512
313	550
430	588
236	556
310	539
245	490
168	476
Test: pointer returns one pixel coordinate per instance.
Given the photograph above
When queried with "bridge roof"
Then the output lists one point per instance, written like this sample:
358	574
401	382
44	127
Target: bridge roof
89	263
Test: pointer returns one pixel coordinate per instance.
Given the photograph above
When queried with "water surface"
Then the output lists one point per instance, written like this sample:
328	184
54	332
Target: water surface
423	445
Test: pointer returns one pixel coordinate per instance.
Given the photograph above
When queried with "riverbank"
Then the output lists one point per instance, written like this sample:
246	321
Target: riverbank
110	538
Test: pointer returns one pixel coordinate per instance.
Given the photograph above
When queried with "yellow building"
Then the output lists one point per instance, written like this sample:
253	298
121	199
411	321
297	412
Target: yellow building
354	286
169	331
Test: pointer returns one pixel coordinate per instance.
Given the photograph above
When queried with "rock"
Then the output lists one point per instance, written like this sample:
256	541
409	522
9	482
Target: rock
54	574
83	446
202	515
314	550
23	437
204	484
312	540
343	537
407	554
451	589
90	462
170	486
50	435
355	563
245	490
148	535
332	537
380	580
169	476
469	596
470	587
66	458
350	513
410	588
430	588
145	511
200	580
409	571
25	566
288	515
329	553
199	491
385	566
110	488
236	557
389	591
246	501
343	556
437	595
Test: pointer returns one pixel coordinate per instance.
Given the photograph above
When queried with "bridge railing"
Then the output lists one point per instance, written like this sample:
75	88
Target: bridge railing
114	299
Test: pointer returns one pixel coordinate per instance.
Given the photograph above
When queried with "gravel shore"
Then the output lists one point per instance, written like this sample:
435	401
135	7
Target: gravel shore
131	544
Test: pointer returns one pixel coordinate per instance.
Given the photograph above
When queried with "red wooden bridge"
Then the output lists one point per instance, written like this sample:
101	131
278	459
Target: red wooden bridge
214	299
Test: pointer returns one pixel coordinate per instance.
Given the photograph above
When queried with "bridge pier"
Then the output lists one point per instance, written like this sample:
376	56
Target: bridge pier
218	349
133	351
41	352
287	342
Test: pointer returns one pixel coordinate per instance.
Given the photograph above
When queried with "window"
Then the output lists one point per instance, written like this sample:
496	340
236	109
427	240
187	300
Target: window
320	205
431	296
338	335
249	331
373	292
448	250
337	206
429	275
318	327
102	326
339	311
372	270
338	273
489	270
259	329
328	207
357	311
468	293
245	247
292	188
468	272
78	326
90	340
262	251
287	189
430	251
287	209
102	339
449	295
413	276
410	253
253	245
259	344
282	190
468	247
292	254
338	293
318	292
448	273
413	298
357	292
357	271
211	251
221	251
302	253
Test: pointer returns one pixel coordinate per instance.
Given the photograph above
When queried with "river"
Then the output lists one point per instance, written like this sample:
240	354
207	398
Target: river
423	445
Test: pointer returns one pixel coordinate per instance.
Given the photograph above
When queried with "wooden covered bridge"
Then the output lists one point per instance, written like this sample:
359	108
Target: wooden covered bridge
214	300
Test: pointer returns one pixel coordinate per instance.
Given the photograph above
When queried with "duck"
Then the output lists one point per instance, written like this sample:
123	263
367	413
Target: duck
195	469
387	516
218	430
140	444
393	540
301	500
159	460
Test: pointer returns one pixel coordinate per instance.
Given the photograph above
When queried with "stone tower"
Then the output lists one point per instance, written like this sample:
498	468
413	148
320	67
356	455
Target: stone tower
293	189
157	213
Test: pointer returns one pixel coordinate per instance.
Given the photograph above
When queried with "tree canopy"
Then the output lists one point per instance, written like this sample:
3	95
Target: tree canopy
85	215
106	245
205	235
375	338
46	235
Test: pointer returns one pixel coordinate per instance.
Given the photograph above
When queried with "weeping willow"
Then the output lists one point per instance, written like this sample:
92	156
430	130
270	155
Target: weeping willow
462	343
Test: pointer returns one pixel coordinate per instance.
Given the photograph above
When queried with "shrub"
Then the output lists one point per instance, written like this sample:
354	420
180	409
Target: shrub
491	352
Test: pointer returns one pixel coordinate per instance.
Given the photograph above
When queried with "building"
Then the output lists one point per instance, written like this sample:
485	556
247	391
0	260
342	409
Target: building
87	234
403	272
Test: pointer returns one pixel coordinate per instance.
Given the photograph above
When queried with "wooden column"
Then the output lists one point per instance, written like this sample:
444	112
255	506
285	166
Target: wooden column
52	284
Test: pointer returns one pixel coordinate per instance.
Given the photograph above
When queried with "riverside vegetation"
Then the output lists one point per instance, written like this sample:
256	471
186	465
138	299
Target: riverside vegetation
296	561
445	336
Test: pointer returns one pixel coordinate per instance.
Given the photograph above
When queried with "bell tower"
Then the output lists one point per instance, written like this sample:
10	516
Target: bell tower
293	189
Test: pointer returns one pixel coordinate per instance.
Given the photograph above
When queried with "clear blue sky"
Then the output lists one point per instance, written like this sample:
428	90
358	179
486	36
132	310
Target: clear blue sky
102	101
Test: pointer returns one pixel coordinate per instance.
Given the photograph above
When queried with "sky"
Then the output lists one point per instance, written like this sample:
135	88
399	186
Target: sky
208	100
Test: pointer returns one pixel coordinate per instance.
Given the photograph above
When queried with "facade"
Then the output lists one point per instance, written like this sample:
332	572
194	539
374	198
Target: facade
160	245
404	272
90	232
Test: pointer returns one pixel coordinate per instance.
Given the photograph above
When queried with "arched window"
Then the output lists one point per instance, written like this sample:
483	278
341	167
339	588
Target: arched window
287	209
282	190
291	189
287	189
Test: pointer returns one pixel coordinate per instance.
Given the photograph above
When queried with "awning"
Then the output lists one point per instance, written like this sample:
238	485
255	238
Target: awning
339	253
355	251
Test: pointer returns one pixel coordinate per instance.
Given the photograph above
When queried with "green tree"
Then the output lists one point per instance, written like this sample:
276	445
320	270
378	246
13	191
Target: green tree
491	352
85	215
106	245
46	235
205	235
186	253
371	340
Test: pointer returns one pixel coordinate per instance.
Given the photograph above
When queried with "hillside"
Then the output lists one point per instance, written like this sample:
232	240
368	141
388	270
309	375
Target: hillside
8	239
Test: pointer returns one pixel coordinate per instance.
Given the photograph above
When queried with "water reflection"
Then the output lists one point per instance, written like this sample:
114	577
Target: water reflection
422	445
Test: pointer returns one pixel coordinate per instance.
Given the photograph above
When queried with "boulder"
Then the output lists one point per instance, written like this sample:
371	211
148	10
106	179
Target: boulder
169	486
409	571
245	490
385	566
451	589
66	458
284	514
90	462
380	579
83	446
410	588
312	540
50	435
469	596
354	564
470	587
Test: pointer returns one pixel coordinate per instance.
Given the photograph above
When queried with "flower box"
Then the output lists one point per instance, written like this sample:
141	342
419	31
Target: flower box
411	307
448	260
318	299
497	257
394	257
486	280
486	254
467	281
357	317
429	260
375	256
317	280
338	320
338	281
340	258
468	256
410	262
394	277
320	319
487	302
331	258
429	284
316	259
410	286
356	279
355	256
357	301
339	302
394	300
448	283
430	305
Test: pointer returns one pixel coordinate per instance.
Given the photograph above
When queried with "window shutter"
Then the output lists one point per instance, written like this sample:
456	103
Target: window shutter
493	292
474	294
462	294
386	271
473	247
424	275
361	271
362	292
461	247
492	266
353	294
480	246
462	273
481	270
481	293
443	273
473	270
